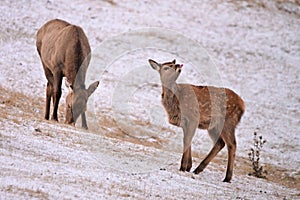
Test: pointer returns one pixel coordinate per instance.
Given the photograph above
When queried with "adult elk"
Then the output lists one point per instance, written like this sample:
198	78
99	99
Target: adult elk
65	52
217	110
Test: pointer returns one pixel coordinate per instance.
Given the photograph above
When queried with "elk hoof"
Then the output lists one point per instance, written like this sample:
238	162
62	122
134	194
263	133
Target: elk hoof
183	169
188	169
197	170
226	180
54	119
85	127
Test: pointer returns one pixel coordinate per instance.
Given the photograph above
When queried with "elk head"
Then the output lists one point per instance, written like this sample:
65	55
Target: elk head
168	71
76	101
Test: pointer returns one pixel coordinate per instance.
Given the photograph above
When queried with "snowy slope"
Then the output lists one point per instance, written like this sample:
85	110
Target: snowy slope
130	151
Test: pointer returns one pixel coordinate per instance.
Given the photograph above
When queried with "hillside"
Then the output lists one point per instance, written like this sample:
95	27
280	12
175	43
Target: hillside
130	151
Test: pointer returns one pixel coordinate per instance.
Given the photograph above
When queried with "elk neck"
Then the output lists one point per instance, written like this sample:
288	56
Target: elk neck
170	90
78	85
79	82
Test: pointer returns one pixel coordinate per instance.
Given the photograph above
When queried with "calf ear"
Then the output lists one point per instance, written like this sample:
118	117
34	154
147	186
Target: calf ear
174	61
92	88
154	64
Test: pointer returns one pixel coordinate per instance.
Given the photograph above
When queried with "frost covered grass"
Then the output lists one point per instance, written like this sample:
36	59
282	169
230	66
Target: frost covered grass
255	46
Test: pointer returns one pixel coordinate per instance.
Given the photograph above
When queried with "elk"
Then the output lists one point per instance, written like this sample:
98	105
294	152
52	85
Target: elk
65	52
217	110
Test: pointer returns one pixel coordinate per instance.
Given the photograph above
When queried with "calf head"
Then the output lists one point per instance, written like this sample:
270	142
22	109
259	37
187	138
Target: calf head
168	71
76	101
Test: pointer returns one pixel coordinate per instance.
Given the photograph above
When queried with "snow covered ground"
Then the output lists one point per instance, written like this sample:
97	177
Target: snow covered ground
130	151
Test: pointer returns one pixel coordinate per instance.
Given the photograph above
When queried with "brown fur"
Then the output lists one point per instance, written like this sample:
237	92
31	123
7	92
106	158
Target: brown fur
218	110
65	52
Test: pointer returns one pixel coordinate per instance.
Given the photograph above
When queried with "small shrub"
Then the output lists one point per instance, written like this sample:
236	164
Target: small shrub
255	155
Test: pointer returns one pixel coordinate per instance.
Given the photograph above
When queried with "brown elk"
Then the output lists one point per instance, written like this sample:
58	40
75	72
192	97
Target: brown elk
65	52
217	110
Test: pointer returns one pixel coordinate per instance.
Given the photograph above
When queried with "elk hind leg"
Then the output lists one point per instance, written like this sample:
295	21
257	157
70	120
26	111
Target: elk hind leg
218	146
229	138
49	93
56	94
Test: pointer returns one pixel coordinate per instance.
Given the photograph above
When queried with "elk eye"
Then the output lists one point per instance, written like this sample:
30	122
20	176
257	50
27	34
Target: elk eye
166	68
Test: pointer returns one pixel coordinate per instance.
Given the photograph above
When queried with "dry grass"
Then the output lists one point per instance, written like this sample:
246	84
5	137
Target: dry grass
111	2
28	192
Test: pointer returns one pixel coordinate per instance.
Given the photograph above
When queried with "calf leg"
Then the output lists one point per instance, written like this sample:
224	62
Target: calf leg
231	147
190	162
188	131
219	144
186	160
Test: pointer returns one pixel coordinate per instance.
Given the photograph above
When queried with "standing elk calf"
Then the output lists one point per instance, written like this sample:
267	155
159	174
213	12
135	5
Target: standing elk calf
65	52
217	110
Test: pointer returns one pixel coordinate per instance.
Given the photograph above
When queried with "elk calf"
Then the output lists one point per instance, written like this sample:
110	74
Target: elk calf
65	52
217	110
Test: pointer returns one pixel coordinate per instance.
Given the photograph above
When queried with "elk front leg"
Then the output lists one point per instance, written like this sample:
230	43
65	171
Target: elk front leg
186	160
56	94
188	134
49	90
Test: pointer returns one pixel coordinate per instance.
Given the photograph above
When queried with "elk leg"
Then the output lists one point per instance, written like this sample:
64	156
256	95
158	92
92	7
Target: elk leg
49	94
56	94
49	90
231	147
186	160
219	144
83	121
189	165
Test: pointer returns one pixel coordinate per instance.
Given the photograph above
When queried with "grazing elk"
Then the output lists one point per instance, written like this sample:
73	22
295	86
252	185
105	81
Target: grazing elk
217	110
65	52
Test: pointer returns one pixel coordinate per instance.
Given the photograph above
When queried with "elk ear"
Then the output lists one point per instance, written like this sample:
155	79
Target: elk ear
92	88
174	61
154	64
68	85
